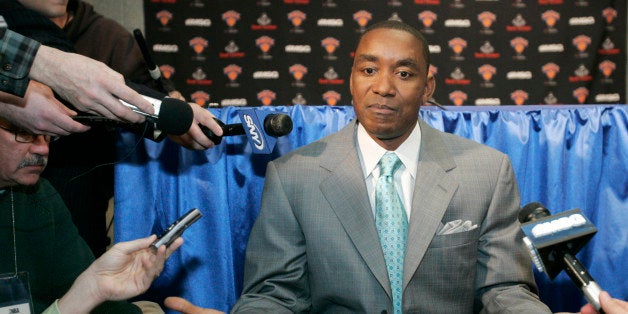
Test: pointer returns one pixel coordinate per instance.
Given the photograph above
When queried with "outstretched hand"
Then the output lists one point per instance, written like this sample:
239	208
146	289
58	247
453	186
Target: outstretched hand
90	85
124	271
39	112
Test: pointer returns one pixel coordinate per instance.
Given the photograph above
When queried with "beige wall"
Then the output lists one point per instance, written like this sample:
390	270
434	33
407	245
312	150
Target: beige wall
129	13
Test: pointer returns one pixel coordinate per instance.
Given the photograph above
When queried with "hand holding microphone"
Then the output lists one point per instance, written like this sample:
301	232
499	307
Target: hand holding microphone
168	116
261	128
196	128
609	305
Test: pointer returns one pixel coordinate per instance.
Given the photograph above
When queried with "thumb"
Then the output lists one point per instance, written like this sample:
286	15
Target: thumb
182	305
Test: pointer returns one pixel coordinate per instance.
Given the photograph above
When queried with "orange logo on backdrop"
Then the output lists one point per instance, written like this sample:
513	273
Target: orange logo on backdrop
607	68
298	71
609	15
164	17
581	94
200	98
427	18
198	44
362	17
581	42
519	97
231	17
487	71
550	70
232	71
296	17
331	97
487	19
266	97
457	45
330	44
550	17
458	97
166	70
264	43
519	44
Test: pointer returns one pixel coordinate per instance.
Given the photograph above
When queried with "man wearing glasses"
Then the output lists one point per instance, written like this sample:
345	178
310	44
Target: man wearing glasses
41	247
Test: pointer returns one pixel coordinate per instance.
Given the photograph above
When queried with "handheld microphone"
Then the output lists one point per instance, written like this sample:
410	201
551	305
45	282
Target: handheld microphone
261	135
172	116
554	240
154	71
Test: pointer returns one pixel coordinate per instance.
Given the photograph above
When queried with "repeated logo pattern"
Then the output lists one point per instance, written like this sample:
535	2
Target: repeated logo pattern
483	52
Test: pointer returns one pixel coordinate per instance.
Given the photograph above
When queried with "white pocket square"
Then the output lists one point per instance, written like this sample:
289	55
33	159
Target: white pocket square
456	226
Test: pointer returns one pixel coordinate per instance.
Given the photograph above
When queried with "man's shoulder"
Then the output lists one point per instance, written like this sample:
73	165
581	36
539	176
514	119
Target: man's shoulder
323	147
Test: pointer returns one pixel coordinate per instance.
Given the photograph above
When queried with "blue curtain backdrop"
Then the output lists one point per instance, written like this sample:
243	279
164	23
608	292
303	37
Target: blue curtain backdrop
564	157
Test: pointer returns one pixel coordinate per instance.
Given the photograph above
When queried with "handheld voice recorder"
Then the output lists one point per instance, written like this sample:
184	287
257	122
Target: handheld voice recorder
176	228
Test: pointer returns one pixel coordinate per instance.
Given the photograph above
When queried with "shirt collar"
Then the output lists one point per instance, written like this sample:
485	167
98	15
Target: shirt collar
371	152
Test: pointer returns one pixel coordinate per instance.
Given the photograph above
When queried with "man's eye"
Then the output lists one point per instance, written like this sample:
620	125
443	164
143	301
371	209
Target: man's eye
369	71
404	74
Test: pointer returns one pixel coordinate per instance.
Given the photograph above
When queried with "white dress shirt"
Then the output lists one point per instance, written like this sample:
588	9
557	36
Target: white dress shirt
408	152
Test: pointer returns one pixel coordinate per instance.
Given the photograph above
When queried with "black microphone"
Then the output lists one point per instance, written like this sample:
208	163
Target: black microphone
261	135
554	240
154	71
172	116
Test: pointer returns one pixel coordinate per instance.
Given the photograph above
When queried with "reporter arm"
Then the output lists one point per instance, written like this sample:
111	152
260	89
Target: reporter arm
88	84
39	112
17	54
124	271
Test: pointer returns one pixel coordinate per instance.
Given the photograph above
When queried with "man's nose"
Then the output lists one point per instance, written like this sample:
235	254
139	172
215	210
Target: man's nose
384	85
40	146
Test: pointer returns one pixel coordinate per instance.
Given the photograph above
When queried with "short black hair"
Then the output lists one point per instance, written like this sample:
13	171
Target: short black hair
398	25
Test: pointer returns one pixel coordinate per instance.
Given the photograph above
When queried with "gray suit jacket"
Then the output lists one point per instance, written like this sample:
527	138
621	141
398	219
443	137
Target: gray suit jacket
315	248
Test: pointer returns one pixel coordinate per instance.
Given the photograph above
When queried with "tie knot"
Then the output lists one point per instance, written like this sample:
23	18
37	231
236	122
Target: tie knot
389	163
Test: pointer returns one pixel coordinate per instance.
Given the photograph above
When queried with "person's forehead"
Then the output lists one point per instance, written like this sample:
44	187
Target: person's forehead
383	40
389	37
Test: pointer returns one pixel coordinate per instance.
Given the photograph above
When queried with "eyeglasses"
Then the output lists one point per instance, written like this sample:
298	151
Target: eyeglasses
22	136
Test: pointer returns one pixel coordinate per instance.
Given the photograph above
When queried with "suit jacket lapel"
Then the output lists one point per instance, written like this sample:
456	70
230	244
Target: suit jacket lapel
346	193
433	191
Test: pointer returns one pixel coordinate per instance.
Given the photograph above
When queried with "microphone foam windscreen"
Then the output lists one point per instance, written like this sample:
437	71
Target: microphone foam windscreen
277	124
533	211
175	116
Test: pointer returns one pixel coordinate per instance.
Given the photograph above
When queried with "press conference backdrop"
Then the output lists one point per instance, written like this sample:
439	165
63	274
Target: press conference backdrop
484	52
564	157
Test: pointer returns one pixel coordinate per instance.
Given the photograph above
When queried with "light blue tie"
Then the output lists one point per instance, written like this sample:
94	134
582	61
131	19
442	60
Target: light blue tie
392	225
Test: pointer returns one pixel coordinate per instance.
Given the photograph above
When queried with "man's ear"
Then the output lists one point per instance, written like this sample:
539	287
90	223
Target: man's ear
430	87
351	82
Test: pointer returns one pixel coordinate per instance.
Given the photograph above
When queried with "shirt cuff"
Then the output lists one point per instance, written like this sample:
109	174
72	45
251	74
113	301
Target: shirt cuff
52	309
17	54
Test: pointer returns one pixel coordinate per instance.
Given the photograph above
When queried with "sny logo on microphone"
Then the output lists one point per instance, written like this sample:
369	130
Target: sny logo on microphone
256	137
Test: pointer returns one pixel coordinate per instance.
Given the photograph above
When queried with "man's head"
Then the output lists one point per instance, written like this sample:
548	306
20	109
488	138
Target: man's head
389	81
47	8
23	156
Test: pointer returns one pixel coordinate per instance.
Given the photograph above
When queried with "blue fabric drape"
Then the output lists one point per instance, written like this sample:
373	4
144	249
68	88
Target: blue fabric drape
564	157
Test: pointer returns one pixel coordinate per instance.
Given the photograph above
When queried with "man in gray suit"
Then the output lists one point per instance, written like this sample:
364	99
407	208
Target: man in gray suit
315	245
